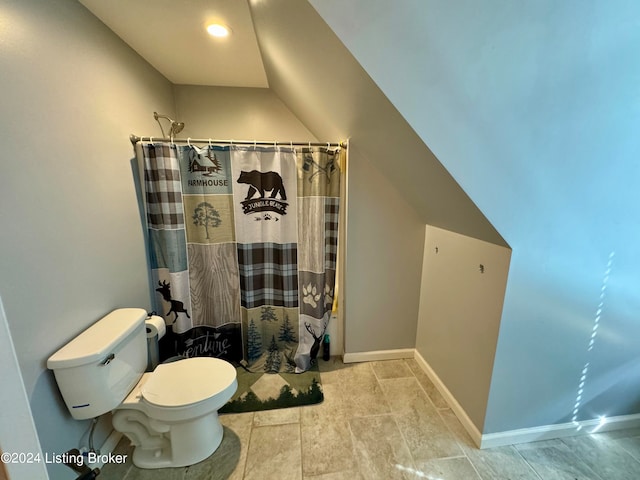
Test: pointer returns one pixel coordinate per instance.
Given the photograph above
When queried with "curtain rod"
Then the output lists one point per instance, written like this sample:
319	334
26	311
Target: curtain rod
135	139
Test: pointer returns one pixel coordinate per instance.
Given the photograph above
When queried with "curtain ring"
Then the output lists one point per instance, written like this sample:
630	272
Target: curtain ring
151	140
189	141
210	145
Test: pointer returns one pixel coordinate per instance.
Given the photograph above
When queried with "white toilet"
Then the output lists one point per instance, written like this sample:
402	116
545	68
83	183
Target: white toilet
170	414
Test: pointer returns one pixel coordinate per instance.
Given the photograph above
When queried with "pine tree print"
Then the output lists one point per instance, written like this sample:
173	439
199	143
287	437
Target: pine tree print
254	342
272	364
286	333
268	314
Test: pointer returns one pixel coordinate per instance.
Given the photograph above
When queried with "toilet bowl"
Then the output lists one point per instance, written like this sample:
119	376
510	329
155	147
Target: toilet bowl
177	401
170	415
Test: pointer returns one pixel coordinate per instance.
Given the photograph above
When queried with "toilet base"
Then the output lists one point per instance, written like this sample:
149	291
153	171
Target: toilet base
184	444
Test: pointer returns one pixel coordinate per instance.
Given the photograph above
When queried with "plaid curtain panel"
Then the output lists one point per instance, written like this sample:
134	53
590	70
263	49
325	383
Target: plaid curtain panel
331	216
163	187
268	274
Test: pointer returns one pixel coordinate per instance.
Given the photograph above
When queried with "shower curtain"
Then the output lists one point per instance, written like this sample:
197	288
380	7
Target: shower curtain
243	249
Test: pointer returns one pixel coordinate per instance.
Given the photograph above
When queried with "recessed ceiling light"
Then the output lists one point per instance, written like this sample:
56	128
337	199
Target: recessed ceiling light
218	30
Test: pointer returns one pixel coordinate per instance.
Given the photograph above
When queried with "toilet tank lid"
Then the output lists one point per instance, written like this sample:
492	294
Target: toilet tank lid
99	339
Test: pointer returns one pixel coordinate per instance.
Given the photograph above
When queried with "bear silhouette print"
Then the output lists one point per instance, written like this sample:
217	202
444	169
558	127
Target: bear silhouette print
262	182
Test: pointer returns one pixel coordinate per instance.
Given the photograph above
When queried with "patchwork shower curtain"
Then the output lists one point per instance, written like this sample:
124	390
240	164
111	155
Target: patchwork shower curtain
243	246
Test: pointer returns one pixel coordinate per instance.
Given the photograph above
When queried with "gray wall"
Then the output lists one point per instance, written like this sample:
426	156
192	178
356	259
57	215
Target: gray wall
383	262
533	107
71	235
460	310
236	113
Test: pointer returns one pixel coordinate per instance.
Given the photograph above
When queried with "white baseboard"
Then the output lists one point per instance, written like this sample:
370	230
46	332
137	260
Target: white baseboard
525	435
378	355
107	447
548	432
498	439
457	409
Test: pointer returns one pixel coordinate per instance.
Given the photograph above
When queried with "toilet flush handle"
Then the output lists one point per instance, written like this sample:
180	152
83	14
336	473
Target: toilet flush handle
107	360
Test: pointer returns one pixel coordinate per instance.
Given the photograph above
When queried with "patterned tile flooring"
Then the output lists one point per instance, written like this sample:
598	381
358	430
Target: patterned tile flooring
385	420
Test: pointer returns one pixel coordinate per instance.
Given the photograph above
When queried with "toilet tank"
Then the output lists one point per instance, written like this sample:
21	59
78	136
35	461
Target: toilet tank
96	370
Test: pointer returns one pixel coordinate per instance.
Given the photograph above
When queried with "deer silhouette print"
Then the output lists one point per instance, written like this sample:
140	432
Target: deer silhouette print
317	339
176	305
291	363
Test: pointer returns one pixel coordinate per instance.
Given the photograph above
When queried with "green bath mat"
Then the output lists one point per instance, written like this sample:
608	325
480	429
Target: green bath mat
266	391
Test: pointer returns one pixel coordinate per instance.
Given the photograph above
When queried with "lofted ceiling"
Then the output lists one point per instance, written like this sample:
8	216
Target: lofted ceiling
171	35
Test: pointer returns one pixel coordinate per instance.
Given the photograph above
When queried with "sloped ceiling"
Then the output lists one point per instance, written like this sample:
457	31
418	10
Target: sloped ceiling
310	69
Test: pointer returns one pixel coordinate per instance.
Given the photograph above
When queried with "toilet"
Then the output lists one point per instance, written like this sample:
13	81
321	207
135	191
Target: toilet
170	415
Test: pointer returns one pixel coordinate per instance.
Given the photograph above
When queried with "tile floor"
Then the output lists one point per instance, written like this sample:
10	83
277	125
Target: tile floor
385	420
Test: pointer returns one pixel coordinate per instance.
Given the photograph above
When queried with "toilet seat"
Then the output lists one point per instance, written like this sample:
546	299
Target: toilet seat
185	389
187	382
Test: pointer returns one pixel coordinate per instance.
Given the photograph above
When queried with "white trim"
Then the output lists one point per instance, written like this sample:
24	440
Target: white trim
18	432
107	447
547	432
498	439
337	346
524	435
457	409
378	355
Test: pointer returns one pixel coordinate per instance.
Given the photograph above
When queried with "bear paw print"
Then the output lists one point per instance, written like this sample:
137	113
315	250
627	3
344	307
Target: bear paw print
328	295
310	295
